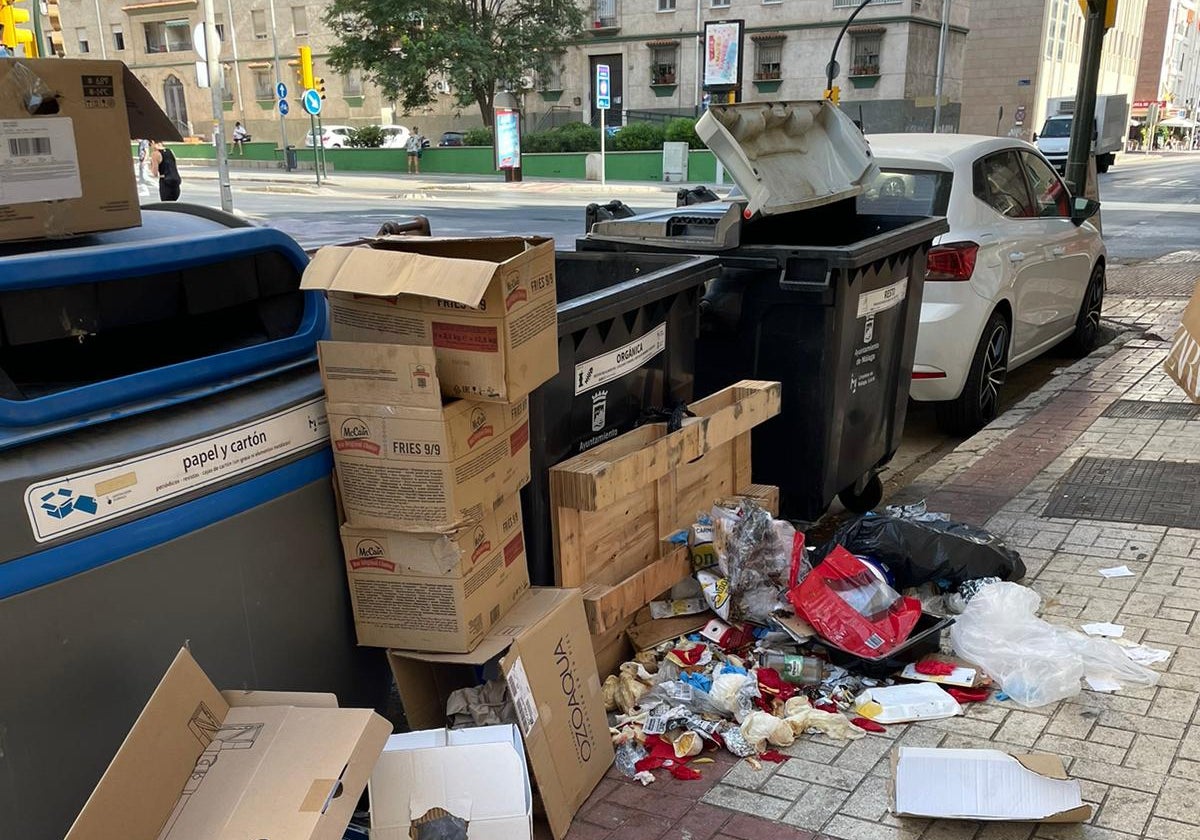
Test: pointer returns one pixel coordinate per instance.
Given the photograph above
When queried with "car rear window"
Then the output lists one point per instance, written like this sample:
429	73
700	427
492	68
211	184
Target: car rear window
907	192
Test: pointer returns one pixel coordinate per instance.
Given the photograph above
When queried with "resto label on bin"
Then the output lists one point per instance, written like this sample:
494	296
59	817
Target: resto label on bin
64	504
879	300
613	365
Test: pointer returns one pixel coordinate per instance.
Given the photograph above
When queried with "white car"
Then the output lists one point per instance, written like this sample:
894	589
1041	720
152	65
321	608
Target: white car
1020	270
332	137
395	136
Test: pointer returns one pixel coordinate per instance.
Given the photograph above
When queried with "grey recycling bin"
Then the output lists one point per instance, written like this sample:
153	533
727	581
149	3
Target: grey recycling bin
164	480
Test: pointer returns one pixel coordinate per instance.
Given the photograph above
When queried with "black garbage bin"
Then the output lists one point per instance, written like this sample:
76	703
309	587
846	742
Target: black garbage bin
811	294
627	327
289	159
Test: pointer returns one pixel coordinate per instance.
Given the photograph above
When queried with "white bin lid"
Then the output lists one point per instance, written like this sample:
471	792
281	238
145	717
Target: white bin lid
788	156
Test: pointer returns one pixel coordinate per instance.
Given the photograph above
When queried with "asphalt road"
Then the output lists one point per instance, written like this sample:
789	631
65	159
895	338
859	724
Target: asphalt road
1151	209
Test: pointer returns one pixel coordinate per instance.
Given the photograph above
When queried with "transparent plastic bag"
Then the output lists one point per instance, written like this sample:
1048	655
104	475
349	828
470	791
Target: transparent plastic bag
1035	662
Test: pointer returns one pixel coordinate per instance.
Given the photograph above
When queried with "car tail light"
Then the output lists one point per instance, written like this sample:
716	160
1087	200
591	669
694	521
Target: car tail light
955	261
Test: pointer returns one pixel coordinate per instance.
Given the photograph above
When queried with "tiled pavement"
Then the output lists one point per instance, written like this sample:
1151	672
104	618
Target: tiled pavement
1136	752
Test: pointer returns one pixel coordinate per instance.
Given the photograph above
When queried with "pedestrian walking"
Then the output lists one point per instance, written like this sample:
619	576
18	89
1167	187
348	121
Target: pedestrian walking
164	166
143	163
240	136
413	147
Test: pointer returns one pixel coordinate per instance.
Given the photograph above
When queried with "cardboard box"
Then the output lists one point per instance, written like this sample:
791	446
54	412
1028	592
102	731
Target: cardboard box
416	463
546	657
201	764
434	591
65	127
487	306
984	785
477	775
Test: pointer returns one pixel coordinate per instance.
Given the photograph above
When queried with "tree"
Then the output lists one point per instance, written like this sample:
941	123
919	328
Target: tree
475	45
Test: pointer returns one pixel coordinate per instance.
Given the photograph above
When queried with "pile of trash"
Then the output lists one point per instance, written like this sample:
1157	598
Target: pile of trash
842	640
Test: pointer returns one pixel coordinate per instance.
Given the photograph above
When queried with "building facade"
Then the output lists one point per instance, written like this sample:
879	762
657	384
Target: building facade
1020	53
1169	70
156	39
654	49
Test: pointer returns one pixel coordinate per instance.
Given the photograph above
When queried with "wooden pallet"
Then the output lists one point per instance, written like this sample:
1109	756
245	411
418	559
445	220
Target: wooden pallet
614	506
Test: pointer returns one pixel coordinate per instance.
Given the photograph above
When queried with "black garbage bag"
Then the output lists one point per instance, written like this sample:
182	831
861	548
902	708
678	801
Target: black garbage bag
918	552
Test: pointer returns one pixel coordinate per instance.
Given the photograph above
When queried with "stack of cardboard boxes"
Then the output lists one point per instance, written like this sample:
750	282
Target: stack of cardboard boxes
437	344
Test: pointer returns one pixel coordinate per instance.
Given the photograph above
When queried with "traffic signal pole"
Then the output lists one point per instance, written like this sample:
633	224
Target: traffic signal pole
1083	123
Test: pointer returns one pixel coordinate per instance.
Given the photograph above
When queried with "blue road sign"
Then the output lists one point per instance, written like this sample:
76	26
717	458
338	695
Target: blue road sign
281	90
283	107
312	102
603	94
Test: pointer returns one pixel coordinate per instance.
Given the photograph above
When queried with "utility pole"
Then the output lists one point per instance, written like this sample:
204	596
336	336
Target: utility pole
1099	15
215	86
283	141
941	67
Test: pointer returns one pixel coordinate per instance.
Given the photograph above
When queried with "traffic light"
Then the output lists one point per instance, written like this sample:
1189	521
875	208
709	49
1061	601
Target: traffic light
319	86
17	38
306	70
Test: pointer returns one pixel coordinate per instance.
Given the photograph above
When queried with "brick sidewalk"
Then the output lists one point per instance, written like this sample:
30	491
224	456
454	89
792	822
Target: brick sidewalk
1136	752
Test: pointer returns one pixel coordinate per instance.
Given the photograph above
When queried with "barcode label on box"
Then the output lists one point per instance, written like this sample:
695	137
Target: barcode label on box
28	146
39	160
522	697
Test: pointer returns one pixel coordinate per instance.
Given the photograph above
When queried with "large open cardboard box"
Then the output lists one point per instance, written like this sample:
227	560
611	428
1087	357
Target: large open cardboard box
486	306
201	764
545	654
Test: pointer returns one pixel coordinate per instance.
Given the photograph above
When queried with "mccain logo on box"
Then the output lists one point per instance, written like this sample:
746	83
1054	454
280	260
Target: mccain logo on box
481	429
355	434
370	554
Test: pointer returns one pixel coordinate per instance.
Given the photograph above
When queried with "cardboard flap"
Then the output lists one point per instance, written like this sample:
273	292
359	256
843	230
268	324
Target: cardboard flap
146	119
141	786
380	273
984	785
551	675
301	699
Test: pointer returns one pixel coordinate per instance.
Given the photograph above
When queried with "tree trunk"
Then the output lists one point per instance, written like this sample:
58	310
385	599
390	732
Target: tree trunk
485	98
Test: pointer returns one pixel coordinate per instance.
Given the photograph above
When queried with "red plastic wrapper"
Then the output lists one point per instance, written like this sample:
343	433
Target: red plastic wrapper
683	772
868	725
774	756
770	684
852	607
967	695
934	668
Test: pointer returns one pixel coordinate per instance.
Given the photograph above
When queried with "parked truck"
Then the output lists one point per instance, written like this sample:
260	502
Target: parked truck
1108	134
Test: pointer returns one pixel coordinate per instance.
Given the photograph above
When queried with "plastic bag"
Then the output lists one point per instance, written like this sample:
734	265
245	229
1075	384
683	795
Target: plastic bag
1035	662
852	607
756	553
919	550
716	592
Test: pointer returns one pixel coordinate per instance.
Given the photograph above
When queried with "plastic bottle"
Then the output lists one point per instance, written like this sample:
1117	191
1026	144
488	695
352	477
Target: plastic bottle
798	670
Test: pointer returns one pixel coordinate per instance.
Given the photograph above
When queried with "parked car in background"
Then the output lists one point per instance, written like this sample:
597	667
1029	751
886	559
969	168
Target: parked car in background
395	136
1020	270
451	139
332	137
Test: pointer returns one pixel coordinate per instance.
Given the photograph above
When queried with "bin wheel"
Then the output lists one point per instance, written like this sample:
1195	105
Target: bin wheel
866	500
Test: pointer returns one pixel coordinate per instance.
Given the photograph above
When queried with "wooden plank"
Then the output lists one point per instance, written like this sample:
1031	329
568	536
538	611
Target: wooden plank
601	476
766	496
606	606
611	649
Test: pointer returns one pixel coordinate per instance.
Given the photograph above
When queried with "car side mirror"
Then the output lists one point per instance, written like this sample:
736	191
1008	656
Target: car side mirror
1083	209
1035	137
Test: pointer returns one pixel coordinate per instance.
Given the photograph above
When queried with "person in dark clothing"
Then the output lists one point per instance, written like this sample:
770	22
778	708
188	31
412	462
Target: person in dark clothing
163	162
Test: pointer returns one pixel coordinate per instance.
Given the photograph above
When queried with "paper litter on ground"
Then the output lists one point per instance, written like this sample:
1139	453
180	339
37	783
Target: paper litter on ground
1116	572
1143	655
1102	684
1104	628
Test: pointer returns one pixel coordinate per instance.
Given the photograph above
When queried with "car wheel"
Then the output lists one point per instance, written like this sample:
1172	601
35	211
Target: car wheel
1086	337
979	402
